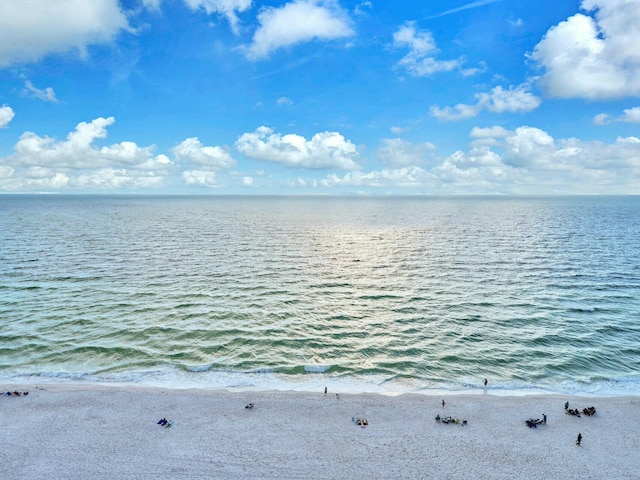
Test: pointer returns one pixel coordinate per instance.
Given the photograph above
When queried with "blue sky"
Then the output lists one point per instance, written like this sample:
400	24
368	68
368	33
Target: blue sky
320	97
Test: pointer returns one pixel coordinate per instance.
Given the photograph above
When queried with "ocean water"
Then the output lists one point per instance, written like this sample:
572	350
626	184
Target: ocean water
382	294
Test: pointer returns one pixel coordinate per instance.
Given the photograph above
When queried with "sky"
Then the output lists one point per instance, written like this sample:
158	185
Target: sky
322	97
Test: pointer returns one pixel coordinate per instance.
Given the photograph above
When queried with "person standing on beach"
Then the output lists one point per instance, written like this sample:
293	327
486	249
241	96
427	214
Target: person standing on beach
485	382
442	403
579	440
325	391
544	418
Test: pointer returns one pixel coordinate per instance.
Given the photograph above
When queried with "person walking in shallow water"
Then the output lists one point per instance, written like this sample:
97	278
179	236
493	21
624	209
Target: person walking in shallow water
485	382
579	440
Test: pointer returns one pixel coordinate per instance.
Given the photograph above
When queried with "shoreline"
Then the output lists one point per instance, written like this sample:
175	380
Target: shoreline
353	385
111	431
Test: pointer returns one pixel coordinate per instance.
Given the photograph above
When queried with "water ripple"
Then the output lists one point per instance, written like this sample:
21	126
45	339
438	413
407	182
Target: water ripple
536	292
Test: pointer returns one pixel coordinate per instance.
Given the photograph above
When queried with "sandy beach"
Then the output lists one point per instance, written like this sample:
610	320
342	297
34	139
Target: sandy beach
61	431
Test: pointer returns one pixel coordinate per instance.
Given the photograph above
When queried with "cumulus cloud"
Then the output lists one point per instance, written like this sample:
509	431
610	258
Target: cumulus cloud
460	111
203	178
536	151
489	132
630	115
520	161
398	152
46	95
31	30
406	177
513	100
420	61
228	8
192	151
6	115
593	57
324	150
296	22
488	136
472	71
284	101
114	179
602	119
397	130
528	146
42	163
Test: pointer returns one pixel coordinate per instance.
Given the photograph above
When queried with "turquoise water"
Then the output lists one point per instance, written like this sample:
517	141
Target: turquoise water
384	294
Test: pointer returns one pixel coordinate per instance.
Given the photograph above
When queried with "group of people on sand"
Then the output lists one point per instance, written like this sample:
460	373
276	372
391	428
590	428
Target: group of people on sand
363	422
163	422
456	421
588	411
15	393
533	423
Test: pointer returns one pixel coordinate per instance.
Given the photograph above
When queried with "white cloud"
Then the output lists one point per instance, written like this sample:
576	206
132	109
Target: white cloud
114	179
406	177
499	100
296	22
398	152
512	100
46	95
42	163
593	57
397	130
420	60
472	71
30	30
529	146
487	137
521	161
204	178
228	8
6	115
630	115
284	101
489	132
324	150
602	119
539	153
457	112
214	158
525	160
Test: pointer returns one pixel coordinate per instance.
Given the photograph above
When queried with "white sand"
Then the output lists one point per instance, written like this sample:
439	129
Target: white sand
111	432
